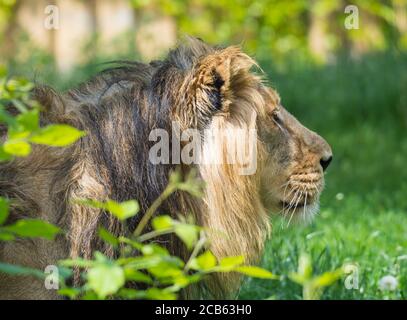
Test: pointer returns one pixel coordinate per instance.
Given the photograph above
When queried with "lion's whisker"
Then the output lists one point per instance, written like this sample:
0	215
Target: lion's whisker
284	184
316	187
299	193
295	207
292	200
285	189
305	205
289	193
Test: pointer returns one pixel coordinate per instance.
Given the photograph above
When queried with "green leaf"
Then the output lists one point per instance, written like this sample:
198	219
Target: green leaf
18	134
78	262
139	262
71	293
159	294
165	270
231	262
5	236
297	278
135	275
64	272
19	105
122	211
4	156
192	184
126	293
105	279
164	266
57	135
108	237
162	223
305	266
154	249
100	257
29	120
19	85
90	203
20	271
33	228
90	295
3	71
327	278
183	280
187	233
204	262
256	272
134	244
175	177
7	118
17	147
4	205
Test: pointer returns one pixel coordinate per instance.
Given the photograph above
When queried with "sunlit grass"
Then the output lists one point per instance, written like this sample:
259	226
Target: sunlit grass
361	109
346	233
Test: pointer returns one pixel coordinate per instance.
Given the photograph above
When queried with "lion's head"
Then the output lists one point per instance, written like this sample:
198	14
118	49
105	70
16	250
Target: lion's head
220	92
296	158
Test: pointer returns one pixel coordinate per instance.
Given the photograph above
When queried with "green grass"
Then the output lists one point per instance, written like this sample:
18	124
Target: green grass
360	107
345	232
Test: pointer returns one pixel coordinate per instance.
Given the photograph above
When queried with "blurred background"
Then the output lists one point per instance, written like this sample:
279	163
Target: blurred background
339	66
70	32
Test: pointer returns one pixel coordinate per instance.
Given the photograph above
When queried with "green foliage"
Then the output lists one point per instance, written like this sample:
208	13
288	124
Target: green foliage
31	228
105	277
149	263
205	261
4	207
276	29
56	135
256	272
313	285
122	211
24	128
20	271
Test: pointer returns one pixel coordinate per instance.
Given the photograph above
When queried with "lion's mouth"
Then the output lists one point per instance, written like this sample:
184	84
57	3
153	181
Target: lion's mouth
303	208
286	205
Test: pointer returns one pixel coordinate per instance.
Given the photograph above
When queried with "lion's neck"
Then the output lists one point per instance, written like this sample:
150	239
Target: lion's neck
234	215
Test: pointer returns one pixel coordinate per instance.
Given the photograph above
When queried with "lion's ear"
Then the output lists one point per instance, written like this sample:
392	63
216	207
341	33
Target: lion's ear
209	87
213	76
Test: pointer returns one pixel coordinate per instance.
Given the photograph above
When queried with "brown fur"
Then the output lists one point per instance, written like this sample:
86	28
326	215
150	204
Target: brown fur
200	87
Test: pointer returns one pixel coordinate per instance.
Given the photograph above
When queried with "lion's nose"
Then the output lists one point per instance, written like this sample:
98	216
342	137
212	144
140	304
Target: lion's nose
325	161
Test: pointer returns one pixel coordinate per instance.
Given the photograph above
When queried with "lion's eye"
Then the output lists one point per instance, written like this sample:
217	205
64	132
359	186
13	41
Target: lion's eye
277	117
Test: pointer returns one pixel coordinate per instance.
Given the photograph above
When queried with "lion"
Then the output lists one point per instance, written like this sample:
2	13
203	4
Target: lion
198	86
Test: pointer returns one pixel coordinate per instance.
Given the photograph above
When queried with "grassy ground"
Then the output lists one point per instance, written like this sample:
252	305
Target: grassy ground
361	108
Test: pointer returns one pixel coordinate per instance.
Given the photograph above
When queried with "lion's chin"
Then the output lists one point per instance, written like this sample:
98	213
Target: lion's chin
302	213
